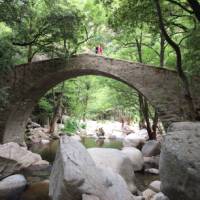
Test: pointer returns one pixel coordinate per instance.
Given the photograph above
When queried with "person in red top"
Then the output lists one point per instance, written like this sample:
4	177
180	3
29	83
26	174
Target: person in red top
100	50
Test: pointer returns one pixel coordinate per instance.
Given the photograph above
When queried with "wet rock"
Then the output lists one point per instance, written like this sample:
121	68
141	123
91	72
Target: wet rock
76	137
43	141
32	125
151	162
152	171
39	135
89	197
37	191
14	158
118	161
160	196
148	194
151	148
135	156
180	162
155	186
12	187
134	140
74	174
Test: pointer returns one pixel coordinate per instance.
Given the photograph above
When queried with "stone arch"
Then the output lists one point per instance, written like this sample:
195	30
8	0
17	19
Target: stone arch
29	82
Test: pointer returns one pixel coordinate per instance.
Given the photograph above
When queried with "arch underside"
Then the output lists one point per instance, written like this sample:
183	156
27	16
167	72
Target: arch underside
30	82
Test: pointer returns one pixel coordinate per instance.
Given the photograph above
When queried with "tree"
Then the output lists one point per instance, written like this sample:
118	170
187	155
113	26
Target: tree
179	68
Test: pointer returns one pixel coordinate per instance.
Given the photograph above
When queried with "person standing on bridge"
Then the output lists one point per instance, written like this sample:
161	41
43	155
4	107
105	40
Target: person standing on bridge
96	49
99	50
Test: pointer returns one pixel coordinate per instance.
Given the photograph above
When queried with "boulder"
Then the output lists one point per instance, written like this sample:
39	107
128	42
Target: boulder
37	135
118	161
151	162
74	174
37	191
160	196
135	157
144	133
76	137
180	162
32	125
43	141
155	186
152	171
89	197
134	140
37	168
116	134
148	194
151	148
14	158
12	187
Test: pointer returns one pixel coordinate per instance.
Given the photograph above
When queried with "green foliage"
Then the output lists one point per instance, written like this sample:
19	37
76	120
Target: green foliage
45	106
192	54
7	51
72	125
98	97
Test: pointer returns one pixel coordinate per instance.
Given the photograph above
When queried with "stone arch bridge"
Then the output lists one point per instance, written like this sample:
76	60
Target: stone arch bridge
27	83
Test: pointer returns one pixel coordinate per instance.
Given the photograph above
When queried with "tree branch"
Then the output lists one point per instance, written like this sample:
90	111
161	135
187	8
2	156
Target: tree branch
195	5
181	5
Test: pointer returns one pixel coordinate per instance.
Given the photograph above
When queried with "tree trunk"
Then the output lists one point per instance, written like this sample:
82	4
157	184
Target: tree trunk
162	50
180	71
141	102
155	125
144	108
88	86
29	55
57	114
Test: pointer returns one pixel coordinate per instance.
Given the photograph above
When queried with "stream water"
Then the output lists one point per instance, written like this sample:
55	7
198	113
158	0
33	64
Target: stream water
48	152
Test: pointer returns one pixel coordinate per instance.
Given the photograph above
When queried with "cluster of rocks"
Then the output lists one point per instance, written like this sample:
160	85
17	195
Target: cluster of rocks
15	163
107	174
99	173
37	134
130	160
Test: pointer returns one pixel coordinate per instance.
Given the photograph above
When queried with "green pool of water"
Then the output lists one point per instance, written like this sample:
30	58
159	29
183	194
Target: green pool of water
48	151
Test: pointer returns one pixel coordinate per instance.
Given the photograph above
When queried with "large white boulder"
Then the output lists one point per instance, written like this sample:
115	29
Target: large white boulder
74	174
180	162
135	157
12	187
14	158
116	160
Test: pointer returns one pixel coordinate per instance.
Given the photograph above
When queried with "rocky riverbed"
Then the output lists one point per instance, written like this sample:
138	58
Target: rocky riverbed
24	175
